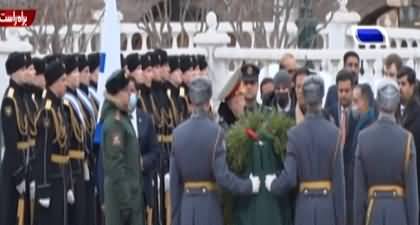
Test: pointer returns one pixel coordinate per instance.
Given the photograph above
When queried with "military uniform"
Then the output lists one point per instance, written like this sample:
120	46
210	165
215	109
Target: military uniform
232	88
314	165
17	127
89	112
122	161
196	169
385	192
250	73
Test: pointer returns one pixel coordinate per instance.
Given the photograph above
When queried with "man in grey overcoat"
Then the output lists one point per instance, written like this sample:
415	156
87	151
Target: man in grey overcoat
385	174
313	164
198	166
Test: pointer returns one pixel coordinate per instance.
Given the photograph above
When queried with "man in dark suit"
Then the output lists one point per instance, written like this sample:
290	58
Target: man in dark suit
410	107
346	121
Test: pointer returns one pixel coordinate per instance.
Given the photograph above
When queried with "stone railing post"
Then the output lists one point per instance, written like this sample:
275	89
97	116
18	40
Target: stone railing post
340	23
218	68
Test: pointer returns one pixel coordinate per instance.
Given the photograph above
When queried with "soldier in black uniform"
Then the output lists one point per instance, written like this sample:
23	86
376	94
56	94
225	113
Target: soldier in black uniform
164	126
39	81
52	160
17	138
76	141
202	63
178	103
187	75
91	157
93	62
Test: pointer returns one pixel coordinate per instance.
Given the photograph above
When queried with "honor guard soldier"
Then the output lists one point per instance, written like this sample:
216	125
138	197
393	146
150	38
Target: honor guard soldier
249	78
76	137
164	127
122	160
178	105
91	156
17	143
202	63
93	62
386	192
313	164
187	74
39	81
198	165
52	169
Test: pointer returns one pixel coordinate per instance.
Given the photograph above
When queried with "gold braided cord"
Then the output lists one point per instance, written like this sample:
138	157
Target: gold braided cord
60	131
155	112
174	110
32	116
77	129
143	105
23	126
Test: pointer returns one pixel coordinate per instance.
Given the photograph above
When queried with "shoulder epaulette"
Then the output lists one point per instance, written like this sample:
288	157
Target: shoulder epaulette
48	104
11	92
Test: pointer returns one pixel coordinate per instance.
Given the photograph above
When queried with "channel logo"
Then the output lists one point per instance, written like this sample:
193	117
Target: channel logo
370	35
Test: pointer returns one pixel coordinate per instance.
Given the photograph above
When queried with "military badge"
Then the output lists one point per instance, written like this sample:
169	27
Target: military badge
116	140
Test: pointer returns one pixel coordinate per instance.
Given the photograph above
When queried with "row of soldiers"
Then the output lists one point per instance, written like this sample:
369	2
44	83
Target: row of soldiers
52	171
49	113
161	84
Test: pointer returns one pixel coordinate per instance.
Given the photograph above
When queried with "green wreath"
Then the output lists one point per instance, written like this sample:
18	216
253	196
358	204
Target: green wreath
252	127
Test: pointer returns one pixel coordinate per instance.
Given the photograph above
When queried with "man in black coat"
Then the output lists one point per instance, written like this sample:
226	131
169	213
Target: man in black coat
410	107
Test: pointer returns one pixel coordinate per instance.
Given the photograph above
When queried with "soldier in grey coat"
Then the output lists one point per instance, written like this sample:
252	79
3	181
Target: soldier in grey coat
313	164
198	166
385	177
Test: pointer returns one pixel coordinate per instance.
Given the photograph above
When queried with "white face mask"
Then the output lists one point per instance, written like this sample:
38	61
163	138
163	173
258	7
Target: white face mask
355	111
132	102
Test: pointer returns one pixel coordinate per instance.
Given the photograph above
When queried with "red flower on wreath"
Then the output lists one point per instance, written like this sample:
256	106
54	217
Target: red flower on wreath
251	134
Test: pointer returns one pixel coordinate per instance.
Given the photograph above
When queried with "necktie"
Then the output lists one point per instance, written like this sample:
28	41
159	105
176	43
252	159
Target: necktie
343	126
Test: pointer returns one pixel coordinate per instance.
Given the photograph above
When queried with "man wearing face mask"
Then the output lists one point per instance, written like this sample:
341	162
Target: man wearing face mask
149	146
122	159
282	101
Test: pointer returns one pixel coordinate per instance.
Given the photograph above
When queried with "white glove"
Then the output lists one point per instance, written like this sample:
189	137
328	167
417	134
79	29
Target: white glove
269	179
44	202
70	197
255	183
32	190
21	188
167	180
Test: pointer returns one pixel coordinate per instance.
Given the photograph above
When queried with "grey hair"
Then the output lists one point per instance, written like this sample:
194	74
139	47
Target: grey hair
200	91
313	91
388	96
